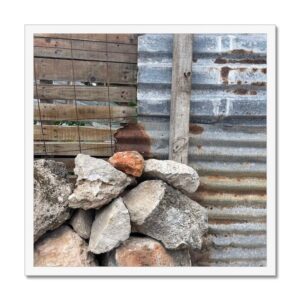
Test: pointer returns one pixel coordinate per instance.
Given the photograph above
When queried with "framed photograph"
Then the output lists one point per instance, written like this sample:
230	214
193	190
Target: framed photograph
150	150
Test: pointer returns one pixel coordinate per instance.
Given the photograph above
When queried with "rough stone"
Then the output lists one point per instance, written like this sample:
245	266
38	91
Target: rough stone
98	182
176	174
51	192
164	213
110	228
144	251
82	222
129	162
62	248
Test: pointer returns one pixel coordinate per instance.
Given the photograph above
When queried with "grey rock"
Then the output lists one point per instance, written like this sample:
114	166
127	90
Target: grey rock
143	252
110	227
51	192
82	222
98	182
62	248
164	213
176	174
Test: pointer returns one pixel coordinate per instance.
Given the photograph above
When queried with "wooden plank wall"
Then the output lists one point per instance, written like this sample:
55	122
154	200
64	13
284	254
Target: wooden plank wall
80	79
181	96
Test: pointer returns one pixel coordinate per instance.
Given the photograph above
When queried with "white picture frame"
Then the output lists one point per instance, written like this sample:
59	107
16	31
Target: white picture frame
269	269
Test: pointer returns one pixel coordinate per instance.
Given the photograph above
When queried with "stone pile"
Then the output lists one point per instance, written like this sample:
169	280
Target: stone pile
122	212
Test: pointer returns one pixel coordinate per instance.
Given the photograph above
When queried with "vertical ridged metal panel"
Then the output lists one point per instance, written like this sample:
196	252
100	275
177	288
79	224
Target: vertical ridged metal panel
227	135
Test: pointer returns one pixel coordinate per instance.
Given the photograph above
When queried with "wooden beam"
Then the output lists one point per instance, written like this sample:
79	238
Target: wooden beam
67	112
84	55
70	133
84	50
72	148
87	71
111	38
84	45
87	93
181	94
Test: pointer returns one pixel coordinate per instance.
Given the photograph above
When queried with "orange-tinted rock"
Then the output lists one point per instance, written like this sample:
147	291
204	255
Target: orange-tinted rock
129	162
142	252
62	248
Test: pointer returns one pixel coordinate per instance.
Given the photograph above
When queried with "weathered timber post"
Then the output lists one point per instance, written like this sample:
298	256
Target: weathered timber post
181	94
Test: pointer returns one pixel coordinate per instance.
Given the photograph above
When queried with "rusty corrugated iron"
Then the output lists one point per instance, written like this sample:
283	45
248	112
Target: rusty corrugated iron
227	142
133	136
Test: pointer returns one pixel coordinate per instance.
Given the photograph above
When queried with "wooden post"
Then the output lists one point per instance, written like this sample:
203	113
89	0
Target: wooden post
181	94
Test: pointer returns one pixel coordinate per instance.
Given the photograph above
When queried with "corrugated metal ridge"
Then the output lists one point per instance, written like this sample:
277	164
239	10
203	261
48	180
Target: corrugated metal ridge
246	228
228	77
243	184
227	141
230	199
206	43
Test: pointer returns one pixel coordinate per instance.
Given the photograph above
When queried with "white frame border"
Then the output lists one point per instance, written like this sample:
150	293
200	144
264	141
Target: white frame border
269	270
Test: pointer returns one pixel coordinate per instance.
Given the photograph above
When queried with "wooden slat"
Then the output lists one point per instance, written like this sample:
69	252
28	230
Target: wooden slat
87	71
67	112
112	38
181	94
84	45
72	148
87	93
71	133
85	55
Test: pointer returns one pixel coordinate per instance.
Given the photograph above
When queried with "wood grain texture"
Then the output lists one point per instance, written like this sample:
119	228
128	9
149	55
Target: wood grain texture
84	55
71	133
181	94
84	45
111	38
89	56
86	71
84	50
67	112
72	148
87	93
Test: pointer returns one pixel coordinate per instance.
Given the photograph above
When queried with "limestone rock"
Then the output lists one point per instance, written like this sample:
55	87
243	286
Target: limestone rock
51	192
82	222
164	213
176	174
110	228
62	248
144	251
98	182
129	162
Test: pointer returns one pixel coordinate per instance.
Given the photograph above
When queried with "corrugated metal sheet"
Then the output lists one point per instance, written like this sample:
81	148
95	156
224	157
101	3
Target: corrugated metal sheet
227	135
